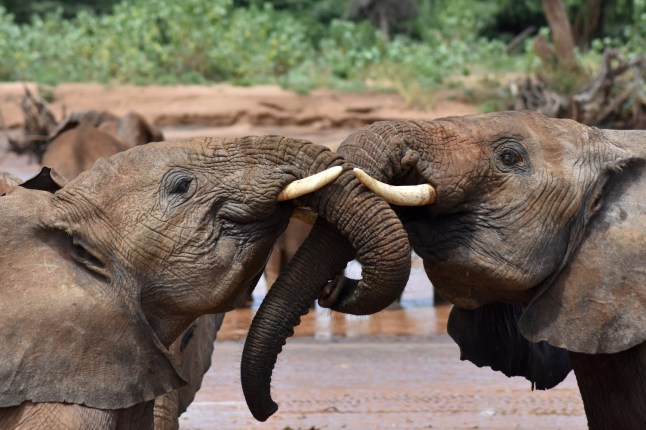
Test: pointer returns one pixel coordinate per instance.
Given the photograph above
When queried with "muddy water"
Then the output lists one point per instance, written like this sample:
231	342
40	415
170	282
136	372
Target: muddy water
393	370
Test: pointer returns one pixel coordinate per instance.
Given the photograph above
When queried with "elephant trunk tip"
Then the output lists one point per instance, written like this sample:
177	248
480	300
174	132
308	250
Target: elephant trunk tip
262	413
347	296
259	400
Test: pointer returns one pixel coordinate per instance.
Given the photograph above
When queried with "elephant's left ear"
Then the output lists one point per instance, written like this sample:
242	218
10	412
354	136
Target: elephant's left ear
597	304
489	336
47	179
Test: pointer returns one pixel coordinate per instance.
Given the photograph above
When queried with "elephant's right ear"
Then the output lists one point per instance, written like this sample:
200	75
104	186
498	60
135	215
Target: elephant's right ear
47	179
598	303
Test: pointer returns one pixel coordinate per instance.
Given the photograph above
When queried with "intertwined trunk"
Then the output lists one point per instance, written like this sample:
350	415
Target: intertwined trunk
352	221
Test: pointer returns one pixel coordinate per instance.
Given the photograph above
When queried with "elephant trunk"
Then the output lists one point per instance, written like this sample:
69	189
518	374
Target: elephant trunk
390	152
353	221
289	298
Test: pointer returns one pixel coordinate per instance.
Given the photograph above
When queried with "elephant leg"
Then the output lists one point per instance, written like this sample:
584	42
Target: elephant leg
193	351
613	388
137	417
166	412
57	416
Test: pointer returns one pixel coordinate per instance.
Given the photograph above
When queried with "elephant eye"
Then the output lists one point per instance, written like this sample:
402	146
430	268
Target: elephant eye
510	157
181	186
178	186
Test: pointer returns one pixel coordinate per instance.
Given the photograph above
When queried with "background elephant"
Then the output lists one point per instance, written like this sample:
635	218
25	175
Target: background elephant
41	130
132	251
84	137
538	237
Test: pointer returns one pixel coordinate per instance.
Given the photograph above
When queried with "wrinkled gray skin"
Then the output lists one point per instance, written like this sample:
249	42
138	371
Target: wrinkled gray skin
73	147
84	137
538	237
100	275
288	244
191	351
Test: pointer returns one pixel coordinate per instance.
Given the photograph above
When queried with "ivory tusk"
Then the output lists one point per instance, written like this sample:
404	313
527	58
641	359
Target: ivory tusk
304	215
310	184
404	195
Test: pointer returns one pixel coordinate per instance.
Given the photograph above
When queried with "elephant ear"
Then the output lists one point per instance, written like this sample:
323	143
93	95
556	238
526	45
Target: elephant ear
47	179
134	130
68	334
597	304
489	336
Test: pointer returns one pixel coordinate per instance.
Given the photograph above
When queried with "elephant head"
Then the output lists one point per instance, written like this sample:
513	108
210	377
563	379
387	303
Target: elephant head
536	235
99	275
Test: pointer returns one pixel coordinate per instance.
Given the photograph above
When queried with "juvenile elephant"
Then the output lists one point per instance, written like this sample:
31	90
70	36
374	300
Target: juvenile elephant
84	137
538	236
72	147
100	275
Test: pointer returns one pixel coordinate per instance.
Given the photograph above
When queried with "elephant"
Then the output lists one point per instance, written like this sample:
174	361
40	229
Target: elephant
73	147
83	137
536	235
41	130
101	274
192	351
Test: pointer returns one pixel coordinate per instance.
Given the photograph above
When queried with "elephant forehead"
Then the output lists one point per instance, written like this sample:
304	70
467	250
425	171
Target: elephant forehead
559	142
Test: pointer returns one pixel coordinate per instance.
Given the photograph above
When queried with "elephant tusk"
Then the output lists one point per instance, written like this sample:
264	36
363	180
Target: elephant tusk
305	215
310	184
404	195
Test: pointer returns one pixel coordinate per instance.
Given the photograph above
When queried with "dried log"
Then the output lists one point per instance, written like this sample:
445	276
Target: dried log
614	98
38	124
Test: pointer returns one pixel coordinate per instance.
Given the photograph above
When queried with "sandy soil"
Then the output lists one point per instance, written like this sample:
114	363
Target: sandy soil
224	105
392	370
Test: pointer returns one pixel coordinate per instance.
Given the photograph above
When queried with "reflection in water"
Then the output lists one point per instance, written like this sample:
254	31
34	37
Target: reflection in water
417	318
324	325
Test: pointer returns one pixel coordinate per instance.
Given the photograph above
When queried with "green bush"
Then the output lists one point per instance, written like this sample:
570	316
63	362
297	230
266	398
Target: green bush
200	41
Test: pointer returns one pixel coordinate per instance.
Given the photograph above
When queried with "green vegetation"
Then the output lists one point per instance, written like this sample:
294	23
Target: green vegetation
300	44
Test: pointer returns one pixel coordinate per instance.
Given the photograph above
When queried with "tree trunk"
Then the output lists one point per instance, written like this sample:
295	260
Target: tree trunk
561	32
589	22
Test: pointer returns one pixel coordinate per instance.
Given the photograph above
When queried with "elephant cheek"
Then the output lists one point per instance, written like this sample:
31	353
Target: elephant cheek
237	265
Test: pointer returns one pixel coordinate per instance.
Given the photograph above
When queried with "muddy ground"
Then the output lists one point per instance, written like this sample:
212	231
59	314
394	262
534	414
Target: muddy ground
393	370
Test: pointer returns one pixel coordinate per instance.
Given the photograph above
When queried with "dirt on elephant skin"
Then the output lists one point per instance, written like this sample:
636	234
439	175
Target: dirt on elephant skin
393	370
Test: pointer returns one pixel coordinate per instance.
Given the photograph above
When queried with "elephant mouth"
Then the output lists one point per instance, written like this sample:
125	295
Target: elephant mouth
89	260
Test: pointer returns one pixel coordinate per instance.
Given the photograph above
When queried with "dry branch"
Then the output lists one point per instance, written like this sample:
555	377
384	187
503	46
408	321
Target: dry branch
614	98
